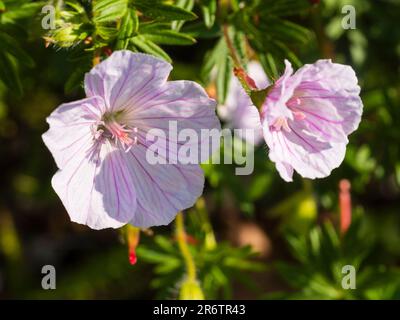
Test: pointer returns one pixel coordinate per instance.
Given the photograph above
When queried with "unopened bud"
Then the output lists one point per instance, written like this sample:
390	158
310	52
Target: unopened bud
66	36
345	205
244	78
132	239
190	290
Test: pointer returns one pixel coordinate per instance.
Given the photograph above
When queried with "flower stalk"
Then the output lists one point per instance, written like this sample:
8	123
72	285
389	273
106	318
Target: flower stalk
190	289
257	96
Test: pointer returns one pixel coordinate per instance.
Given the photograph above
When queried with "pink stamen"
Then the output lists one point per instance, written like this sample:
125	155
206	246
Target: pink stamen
281	122
298	115
120	133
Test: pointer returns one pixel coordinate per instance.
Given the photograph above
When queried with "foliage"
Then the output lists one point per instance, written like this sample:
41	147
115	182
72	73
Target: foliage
205	40
323	252
217	265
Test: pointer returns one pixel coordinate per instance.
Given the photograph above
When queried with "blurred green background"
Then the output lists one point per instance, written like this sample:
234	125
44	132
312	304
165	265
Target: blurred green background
293	227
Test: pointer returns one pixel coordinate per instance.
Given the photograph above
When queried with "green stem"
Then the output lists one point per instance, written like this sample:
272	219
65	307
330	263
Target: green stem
231	48
184	248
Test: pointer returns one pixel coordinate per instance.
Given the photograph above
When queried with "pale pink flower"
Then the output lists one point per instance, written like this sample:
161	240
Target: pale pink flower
307	117
238	110
99	144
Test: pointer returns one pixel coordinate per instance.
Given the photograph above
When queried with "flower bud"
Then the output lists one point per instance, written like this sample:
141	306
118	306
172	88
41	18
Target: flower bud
191	290
66	36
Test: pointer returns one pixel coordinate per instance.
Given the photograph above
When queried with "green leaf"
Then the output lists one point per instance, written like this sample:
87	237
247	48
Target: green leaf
153	256
105	32
199	30
128	27
156	10
184	4
170	37
165	244
168	266
258	96
268	62
11	46
224	76
224	72
150	47
286	30
14	13
209	9
153	27
9	73
282	7
108	10
76	7
75	79
239	42
211	59
218	57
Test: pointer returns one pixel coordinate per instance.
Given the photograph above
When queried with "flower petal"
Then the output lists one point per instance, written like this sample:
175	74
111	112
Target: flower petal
275	103
183	102
298	150
321	119
71	127
257	73
337	84
96	189
162	189
125	78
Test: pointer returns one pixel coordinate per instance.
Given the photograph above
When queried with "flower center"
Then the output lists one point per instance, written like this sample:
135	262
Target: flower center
121	134
281	121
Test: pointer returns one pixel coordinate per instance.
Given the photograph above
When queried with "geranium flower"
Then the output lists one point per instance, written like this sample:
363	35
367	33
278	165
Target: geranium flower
307	117
238	110
99	144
